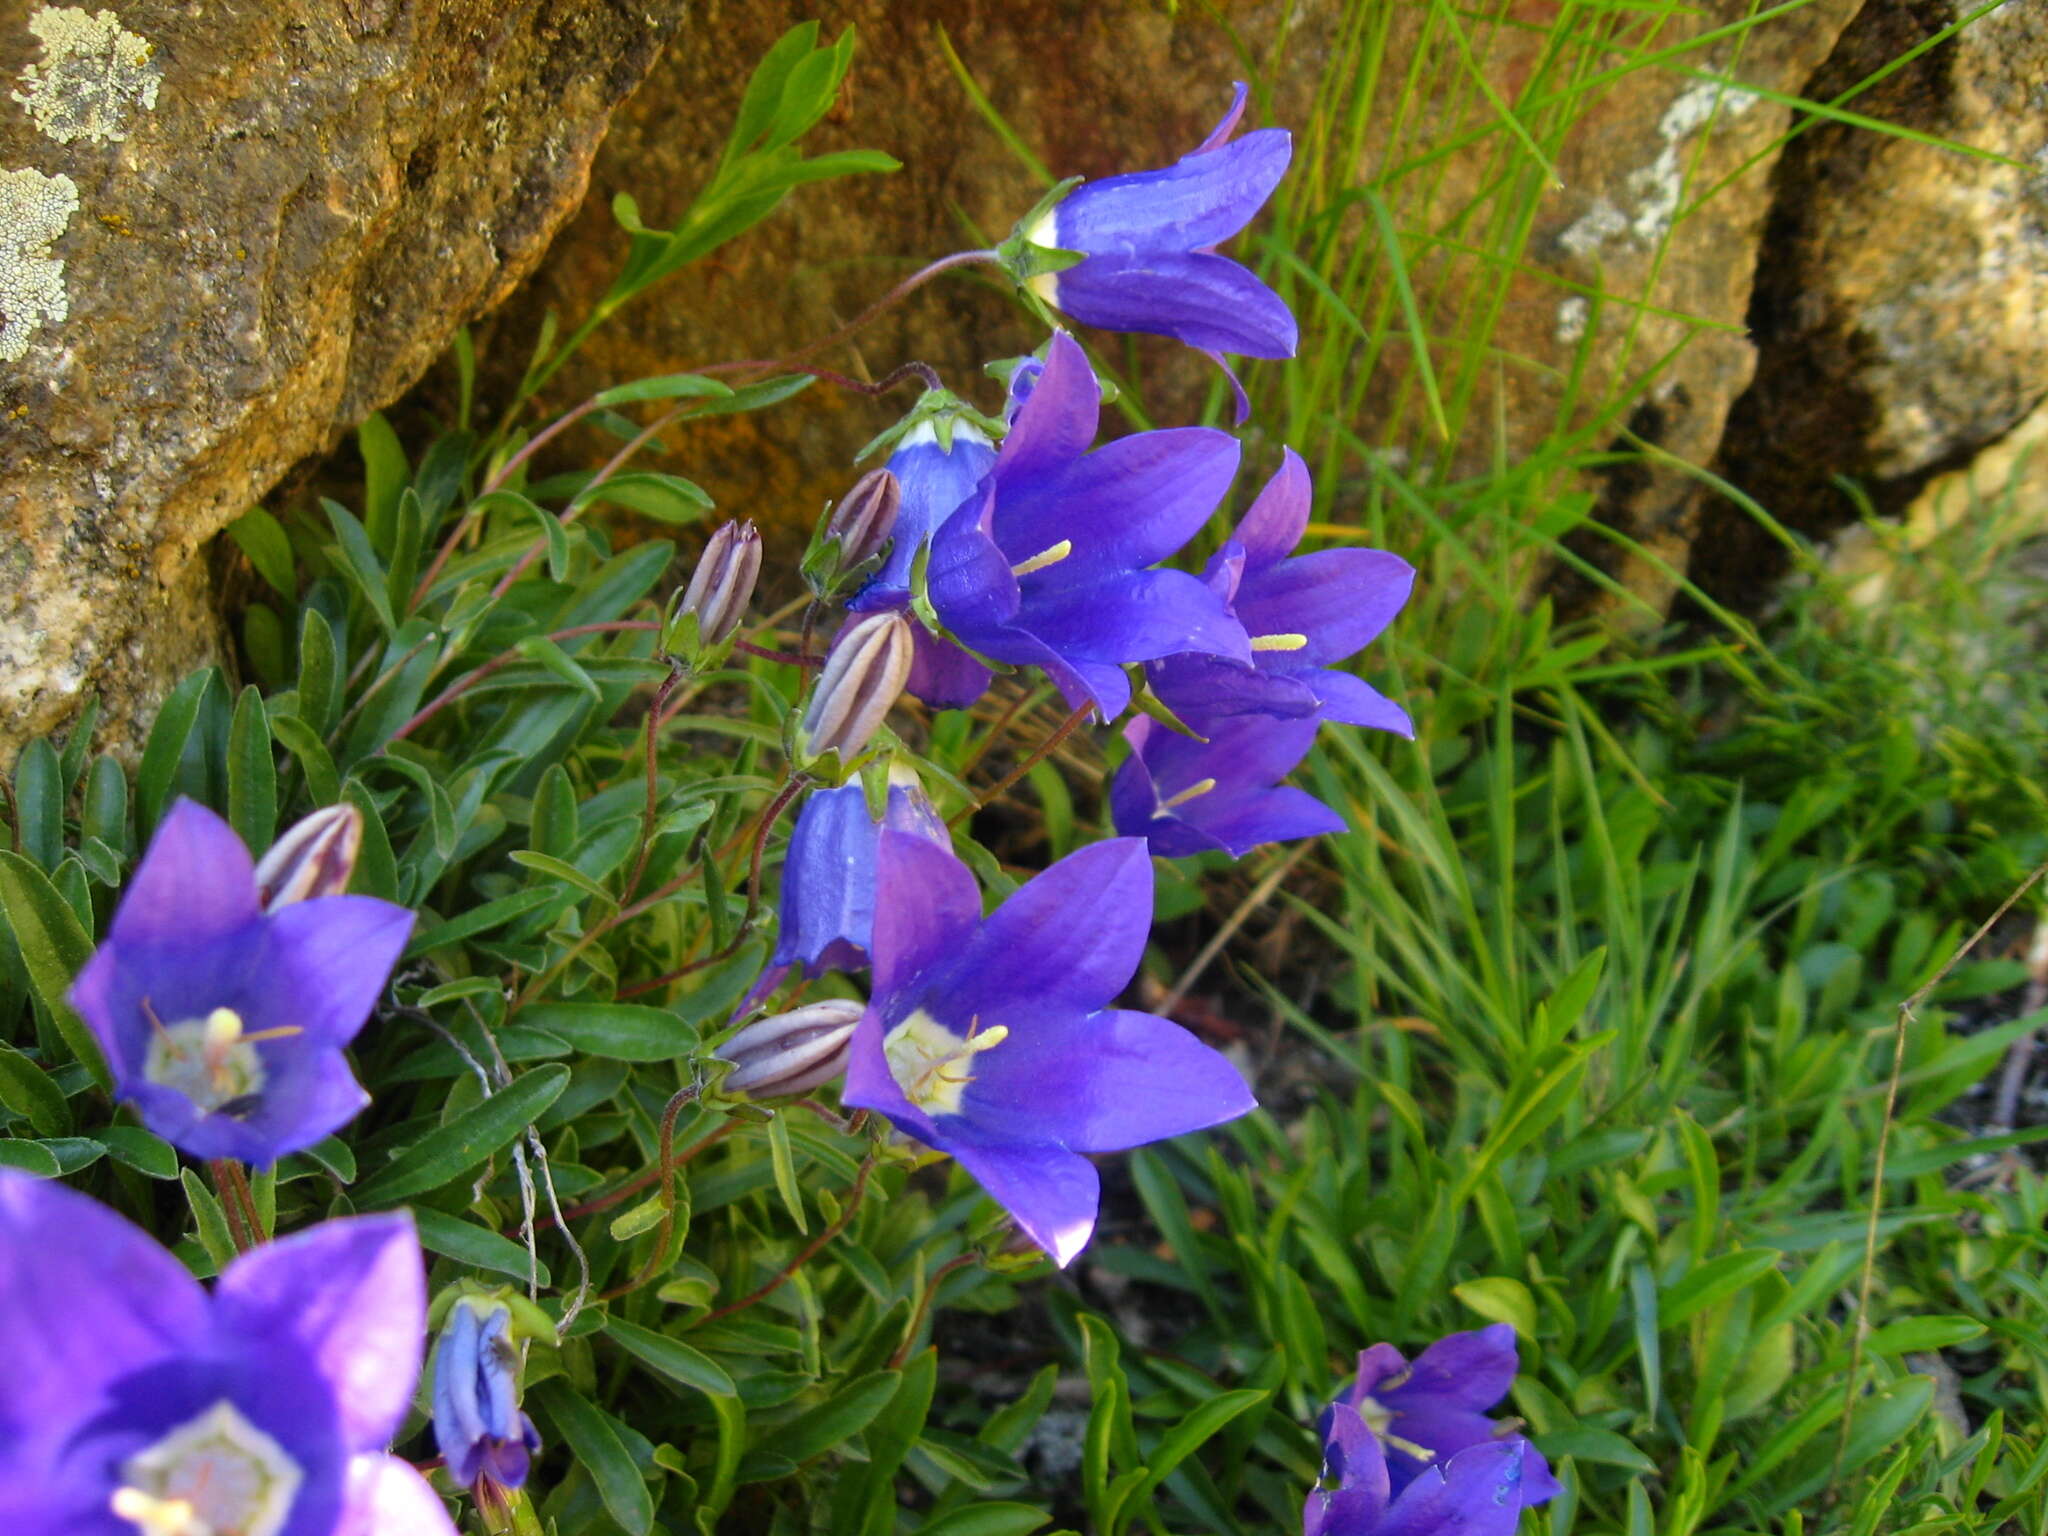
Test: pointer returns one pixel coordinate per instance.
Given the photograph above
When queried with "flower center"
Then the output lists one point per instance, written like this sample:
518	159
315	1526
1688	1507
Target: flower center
1379	1418
211	1060
1045	557
216	1475
930	1062
1278	642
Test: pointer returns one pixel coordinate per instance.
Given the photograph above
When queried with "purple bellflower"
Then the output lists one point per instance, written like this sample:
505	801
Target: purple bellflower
224	1024
1478	1492
1186	797
993	1039
1303	614
1432	1409
477	1421
1048	566
133	1401
1149	241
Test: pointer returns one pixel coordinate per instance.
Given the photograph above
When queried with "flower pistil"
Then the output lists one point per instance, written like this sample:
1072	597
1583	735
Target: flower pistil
214	1475
212	1061
930	1062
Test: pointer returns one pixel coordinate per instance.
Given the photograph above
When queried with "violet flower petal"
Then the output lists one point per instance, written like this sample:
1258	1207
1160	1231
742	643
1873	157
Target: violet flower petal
350	1298
1107	1081
1211	303
195	880
332	956
1052	1193
1476	1493
386	1497
1201	200
1070	937
1056	422
927	908
1338	600
1278	516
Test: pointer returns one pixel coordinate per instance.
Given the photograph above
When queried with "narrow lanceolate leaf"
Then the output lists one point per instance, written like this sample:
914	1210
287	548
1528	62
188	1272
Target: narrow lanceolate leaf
252	773
671	1357
27	1090
672	386
158	774
594	1439
53	948
39	803
209	1219
620	1031
451	1151
479	1247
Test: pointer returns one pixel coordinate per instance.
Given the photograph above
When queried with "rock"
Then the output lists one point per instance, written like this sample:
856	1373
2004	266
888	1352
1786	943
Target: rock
227	232
1902	313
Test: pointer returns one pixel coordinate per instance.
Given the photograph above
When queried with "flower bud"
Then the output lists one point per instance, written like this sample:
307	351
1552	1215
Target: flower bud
865	517
477	1423
863	678
315	857
723	583
791	1053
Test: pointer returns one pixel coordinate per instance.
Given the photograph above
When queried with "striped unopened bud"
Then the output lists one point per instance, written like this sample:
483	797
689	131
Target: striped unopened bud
791	1053
723	583
866	517
862	680
315	857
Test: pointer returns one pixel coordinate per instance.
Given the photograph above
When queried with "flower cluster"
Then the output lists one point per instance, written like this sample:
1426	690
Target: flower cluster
227	989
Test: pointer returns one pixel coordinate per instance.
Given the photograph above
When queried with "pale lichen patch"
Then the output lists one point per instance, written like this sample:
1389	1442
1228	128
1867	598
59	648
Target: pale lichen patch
93	76
34	210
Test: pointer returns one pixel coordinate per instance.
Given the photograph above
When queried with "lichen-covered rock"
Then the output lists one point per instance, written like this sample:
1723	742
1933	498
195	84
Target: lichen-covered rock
1902	314
227	233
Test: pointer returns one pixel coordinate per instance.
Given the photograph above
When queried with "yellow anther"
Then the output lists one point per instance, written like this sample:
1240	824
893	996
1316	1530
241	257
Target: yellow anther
157	1517
1045	557
1278	642
930	1062
223	1029
1192	792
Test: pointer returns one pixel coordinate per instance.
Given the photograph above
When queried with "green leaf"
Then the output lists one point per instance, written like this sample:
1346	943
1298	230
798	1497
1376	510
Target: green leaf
1588	1443
993	1518
620	1031
323	780
670	386
54	949
208	1218
30	1157
592	1436
359	562
558	661
39	802
452	1150
482	919
105	814
1500	1299
1911	1335
467	1243
262	538
137	1148
78	742
783	1160
252	773
1715	1280
158	775
833	1422
671	1357
385	473
551	529
27	1090
665	498
758	397
1201	1424
320	676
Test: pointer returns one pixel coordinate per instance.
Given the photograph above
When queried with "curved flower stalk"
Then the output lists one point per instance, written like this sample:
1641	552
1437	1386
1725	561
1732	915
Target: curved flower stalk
223	1023
134	1402
1051	565
993	1039
1148	242
1431	1409
1185	796
1303	614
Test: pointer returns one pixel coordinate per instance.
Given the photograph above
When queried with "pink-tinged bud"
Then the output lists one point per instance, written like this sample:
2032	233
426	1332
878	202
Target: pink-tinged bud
314	858
723	583
791	1053
866	518
863	678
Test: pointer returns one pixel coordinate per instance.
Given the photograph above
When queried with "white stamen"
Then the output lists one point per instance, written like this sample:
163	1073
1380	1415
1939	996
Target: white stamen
1045	557
1192	792
1278	642
211	1060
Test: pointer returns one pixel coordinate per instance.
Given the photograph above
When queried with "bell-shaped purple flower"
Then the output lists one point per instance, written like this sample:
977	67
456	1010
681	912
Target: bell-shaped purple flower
1048	567
937	479
1150	241
828	874
992	1038
224	1024
1478	1492
1429	1410
478	1424
1303	615
1185	796
134	1401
